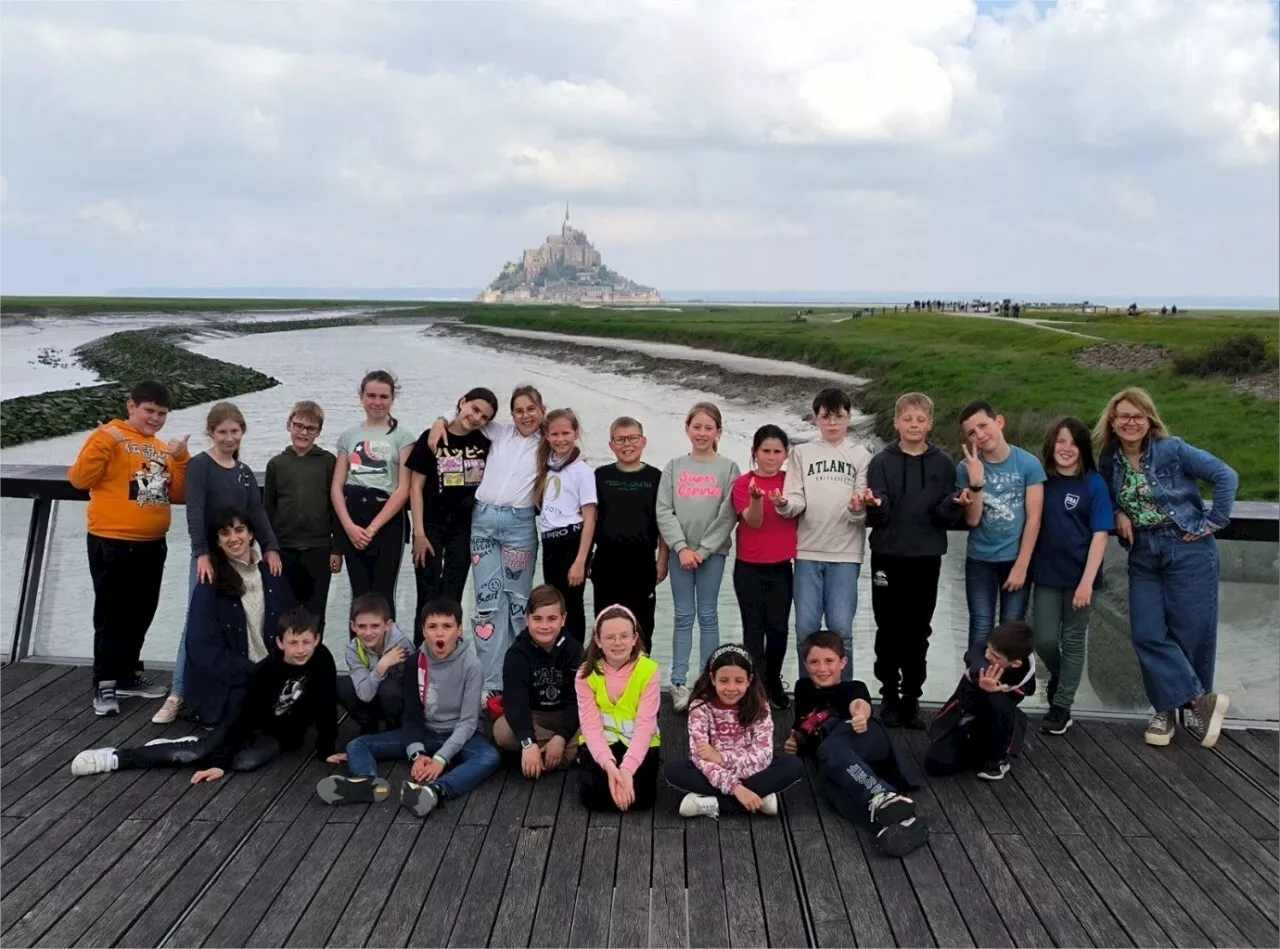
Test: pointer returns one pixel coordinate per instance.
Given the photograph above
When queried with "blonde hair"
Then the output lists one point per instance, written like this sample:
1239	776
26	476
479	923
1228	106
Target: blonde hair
307	409
1104	432
625	421
544	451
712	411
910	400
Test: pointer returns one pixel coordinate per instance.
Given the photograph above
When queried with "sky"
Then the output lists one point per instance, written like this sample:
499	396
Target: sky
1087	147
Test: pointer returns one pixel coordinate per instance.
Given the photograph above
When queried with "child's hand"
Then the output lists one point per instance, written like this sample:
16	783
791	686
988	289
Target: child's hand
204	569
707	753
274	563
869	498
208	774
425	769
1017	578
689	559
790	746
577	573
359	536
662	570
335	563
989	680
962	498
339	758
531	762
177	445
621	788
1083	596
754	490
859	715
857	503
439	434
973	465
748	798
422	549
392	657
553	753
777	499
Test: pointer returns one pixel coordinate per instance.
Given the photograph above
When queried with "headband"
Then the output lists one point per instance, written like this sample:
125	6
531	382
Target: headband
615	606
735	650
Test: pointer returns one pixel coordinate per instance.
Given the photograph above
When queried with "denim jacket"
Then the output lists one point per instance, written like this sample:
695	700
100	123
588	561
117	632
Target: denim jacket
1174	471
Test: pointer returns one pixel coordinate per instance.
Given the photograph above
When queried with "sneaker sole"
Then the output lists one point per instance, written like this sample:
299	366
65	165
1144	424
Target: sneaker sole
337	790
105	712
1158	741
1057	730
993	777
417	800
140	694
1214	726
901	839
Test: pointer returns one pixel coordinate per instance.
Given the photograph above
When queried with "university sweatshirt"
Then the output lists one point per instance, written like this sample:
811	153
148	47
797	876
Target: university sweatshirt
820	482
296	496
747	749
362	662
132	480
916	508
540	680
211	489
443	696
695	504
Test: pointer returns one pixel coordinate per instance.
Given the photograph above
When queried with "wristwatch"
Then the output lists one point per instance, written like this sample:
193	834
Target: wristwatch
977	487
527	743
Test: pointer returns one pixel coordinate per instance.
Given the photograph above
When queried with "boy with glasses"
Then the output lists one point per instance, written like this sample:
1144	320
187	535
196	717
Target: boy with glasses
296	496
630	557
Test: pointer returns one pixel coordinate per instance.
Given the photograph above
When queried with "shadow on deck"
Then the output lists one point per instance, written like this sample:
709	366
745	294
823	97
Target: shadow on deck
1093	839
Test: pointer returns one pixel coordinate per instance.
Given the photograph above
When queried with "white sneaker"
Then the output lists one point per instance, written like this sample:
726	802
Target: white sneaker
168	712
94	761
770	805
680	697
697	805
171	741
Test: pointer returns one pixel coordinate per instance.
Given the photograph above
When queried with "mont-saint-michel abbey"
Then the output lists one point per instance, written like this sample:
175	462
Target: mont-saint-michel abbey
565	269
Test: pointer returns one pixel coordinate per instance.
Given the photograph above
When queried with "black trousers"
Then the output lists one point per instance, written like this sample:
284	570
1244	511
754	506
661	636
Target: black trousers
629	579
126	578
376	568
196	750
783	771
445	573
847	763
993	728
307	571
381	714
593	782
904	592
764	596
559	551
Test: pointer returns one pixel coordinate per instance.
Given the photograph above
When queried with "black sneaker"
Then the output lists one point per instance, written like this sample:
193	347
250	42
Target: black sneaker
888	808
994	770
422	799
104	699
141	687
778	697
909	715
1056	721
339	789
890	711
900	839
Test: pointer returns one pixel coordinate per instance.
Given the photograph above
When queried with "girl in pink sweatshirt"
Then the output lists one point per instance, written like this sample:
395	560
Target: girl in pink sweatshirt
618	697
731	743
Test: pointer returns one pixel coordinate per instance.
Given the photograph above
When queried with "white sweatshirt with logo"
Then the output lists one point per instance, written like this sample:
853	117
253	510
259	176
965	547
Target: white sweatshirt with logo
819	484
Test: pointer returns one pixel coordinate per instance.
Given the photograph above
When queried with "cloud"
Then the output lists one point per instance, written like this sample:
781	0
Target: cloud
421	144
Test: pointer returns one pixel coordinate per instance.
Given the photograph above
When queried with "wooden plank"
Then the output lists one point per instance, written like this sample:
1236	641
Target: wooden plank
9	823
478	806
592	902
1263	745
979	913
370	895
1181	888
14	674
1221	889
1119	899
783	917
423	865
65	697
296	895
514	923
743	902
916	745
210	909
46	676
480	906
1073	770
1054	814
1248	766
450	888
629	919
668	909
901	909
1054	904
858	892
301	795
1079	806
945	919
554	919
826	907
1244	874
1253	809
706	910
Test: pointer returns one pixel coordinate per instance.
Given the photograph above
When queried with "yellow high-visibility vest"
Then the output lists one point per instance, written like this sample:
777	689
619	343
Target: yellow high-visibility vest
619	718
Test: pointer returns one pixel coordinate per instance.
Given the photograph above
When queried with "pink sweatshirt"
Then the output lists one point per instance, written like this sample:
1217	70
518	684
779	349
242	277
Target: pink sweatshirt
747	750
615	683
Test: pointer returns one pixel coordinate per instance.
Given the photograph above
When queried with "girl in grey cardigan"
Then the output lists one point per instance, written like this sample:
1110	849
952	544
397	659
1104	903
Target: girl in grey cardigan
695	518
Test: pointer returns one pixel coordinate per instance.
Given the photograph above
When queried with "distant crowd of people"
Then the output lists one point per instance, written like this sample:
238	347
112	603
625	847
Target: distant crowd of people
530	674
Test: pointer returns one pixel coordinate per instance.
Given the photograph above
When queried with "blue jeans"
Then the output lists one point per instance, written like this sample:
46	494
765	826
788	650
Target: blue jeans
984	591
1173	614
830	590
476	761
694	591
180	663
504	548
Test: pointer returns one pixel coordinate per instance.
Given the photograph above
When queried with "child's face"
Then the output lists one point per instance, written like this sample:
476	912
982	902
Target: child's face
731	684
833	426
562	436
824	666
302	432
441	633
984	432
703	432
474	415
370	629
616	639
770	456
545	624
147	417
527	414
997	658
236	541
1066	454
298	645
227	437
913	425
377	398
628	444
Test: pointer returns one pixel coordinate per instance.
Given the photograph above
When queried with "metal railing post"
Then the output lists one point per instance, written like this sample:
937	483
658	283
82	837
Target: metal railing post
32	574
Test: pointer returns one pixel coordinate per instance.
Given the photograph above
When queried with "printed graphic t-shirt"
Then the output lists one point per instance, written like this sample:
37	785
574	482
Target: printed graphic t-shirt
373	455
567	491
1004	504
453	472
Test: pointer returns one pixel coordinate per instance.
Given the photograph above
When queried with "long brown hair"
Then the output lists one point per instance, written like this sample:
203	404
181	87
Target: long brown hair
754	704
544	451
595	655
381	375
712	411
225	412
1104	433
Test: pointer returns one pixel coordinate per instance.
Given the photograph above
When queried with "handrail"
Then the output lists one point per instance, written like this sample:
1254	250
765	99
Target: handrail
1250	520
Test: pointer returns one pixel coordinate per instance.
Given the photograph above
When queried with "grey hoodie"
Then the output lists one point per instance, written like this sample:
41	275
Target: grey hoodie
362	663
452	689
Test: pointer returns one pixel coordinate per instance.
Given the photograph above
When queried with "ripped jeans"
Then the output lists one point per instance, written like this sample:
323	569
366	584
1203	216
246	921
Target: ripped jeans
504	549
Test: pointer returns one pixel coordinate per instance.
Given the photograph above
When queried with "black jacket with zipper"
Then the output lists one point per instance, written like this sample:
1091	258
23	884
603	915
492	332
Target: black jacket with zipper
916	507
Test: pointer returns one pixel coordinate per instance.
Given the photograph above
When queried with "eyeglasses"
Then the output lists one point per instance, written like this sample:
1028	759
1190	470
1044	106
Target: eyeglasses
626	439
303	429
1130	419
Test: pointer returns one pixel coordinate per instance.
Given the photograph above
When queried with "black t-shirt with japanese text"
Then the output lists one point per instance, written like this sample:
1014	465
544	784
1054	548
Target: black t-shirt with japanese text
453	472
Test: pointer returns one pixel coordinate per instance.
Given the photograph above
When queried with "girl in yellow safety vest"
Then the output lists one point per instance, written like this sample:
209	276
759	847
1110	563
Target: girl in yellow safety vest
618	699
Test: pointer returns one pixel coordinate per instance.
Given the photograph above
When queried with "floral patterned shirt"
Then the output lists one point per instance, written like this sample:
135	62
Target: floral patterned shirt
747	750
1136	500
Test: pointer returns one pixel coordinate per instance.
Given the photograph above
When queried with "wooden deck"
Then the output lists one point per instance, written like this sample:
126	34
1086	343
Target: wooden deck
1093	840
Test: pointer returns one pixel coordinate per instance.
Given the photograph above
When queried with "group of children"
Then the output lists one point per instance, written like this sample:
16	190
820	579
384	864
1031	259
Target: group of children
482	496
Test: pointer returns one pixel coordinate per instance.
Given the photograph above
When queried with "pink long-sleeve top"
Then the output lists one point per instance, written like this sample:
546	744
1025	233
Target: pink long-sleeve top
747	749
615	682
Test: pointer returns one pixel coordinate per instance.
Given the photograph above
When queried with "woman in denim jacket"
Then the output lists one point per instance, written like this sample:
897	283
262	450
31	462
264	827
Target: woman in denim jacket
1154	479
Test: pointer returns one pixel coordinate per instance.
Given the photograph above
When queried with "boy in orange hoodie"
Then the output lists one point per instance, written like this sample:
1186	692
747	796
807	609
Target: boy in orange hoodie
132	478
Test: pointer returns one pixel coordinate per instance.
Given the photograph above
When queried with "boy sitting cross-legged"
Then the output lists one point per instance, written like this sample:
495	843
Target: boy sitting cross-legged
438	732
859	769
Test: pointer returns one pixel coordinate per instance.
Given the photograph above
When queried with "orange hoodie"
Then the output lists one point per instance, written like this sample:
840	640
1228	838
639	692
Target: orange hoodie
132	479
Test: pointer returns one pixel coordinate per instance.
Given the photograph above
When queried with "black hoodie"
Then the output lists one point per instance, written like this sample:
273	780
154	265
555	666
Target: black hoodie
539	680
916	508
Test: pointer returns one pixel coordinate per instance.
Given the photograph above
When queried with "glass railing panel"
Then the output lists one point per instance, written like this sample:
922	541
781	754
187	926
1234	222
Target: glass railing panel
15	520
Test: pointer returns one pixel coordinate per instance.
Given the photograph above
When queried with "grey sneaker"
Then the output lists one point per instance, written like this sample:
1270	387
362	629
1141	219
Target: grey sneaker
1204	716
140	686
104	699
1160	729
680	698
